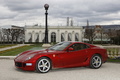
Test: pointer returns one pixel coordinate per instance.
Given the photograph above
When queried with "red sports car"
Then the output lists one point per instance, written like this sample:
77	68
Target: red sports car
62	55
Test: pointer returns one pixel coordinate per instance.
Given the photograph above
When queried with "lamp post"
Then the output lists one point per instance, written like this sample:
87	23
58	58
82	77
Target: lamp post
46	45
46	6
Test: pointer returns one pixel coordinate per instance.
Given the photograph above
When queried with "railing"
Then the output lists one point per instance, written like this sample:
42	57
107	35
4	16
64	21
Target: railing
113	51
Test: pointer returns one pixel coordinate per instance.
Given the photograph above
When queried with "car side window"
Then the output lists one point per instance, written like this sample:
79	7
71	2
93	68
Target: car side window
84	46
75	47
79	46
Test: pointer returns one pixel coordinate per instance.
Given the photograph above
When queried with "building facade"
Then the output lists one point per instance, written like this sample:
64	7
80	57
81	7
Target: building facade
55	34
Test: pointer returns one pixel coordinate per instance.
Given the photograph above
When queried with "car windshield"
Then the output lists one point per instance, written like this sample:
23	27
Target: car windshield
60	46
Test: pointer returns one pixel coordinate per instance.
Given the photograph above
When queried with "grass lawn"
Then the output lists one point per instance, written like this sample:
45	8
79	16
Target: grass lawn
14	52
6	45
113	60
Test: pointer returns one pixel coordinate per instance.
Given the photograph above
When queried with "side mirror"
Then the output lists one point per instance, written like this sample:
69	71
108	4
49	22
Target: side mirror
70	49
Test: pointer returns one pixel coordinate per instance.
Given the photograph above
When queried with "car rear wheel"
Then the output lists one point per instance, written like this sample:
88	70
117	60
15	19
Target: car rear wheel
43	65
96	61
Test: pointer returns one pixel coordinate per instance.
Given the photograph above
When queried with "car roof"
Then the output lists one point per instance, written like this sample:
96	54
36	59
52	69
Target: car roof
74	42
80	42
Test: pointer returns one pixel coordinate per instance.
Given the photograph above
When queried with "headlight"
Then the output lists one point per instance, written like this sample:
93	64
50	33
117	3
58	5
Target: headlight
28	58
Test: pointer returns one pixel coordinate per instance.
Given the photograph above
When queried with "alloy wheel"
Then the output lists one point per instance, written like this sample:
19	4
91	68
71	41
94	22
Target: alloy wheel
96	62
43	65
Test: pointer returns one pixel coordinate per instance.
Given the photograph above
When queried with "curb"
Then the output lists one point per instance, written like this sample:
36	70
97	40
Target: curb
7	57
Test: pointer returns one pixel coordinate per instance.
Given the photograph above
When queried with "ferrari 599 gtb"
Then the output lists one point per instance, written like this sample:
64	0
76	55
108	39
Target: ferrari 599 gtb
62	55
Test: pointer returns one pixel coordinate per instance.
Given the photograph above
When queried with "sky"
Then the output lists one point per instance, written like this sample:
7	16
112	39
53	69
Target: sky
31	12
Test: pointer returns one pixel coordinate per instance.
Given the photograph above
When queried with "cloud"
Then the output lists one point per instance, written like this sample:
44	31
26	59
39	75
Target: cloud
32	11
21	5
6	13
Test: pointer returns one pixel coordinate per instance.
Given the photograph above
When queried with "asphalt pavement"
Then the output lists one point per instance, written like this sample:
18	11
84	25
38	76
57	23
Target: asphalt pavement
108	71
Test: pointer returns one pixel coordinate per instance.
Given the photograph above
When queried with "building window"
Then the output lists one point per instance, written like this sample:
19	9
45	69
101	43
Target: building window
76	37
37	37
69	37
30	37
62	37
43	37
53	37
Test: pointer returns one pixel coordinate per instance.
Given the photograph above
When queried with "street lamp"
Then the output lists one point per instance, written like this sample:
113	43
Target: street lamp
46	45
46	6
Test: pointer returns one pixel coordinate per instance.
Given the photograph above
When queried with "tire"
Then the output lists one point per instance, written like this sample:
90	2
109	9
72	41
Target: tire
96	61
43	65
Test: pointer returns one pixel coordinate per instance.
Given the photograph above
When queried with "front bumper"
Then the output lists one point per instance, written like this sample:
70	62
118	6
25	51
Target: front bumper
25	65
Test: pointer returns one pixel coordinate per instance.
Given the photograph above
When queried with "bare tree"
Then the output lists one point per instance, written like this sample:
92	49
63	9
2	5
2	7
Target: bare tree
112	34
0	35
6	35
89	34
118	36
12	35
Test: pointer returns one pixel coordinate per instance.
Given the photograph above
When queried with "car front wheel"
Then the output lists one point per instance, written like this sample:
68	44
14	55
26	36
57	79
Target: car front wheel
96	61
43	65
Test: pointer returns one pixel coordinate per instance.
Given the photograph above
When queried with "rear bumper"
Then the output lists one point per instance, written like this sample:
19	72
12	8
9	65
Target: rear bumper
105	59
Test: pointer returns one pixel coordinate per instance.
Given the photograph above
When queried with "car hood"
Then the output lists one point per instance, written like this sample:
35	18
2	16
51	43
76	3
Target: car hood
27	54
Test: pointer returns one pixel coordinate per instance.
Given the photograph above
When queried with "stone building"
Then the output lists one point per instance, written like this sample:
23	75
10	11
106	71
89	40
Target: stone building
55	34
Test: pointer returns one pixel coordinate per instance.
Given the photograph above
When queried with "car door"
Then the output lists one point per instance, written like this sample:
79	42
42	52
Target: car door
75	57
